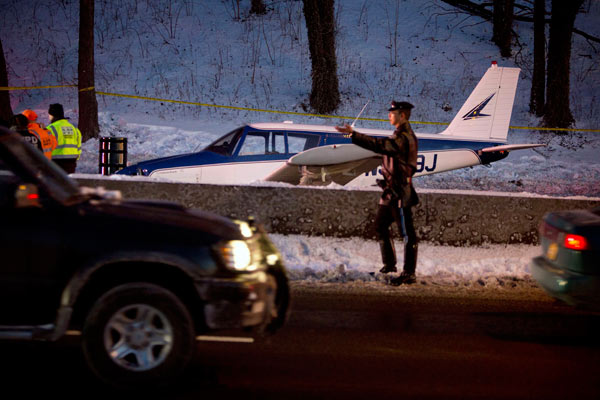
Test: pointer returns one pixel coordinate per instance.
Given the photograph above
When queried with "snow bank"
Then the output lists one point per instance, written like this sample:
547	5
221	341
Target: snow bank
328	260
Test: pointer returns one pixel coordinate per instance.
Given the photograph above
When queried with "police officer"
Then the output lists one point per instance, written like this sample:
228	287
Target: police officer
19	125
399	165
47	140
68	139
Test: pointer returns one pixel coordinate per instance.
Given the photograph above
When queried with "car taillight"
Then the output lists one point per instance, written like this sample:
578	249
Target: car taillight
575	242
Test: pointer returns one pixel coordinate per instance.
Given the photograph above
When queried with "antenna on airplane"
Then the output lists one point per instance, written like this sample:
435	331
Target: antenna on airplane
360	113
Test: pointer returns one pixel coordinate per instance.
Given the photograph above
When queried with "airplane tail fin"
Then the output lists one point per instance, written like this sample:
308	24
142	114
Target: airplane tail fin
486	113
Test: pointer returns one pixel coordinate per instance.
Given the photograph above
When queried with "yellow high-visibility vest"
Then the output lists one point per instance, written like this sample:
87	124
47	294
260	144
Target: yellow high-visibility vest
68	139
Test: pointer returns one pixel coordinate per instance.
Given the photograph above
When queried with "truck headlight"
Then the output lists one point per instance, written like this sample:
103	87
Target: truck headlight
245	229
237	256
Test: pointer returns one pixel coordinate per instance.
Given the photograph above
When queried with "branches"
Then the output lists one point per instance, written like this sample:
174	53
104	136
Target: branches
471	8
480	10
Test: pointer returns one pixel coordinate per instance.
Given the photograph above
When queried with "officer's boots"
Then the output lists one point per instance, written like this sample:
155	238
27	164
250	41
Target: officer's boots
408	276
388	256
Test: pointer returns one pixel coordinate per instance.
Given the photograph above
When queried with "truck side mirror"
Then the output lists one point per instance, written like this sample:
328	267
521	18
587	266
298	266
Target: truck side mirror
27	195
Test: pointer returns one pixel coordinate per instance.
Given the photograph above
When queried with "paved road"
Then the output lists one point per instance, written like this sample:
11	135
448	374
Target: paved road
373	342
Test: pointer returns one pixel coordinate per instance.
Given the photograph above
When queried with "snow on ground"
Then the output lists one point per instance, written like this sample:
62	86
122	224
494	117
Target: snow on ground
336	260
213	52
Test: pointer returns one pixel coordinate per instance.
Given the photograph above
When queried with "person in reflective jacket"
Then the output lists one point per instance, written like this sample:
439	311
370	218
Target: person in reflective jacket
68	139
47	140
19	125
399	196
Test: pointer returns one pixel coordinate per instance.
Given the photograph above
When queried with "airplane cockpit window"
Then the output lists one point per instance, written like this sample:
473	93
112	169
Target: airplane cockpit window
299	142
226	145
261	143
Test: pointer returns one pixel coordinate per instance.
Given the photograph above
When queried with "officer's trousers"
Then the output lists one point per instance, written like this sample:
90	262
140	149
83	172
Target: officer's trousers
67	164
386	214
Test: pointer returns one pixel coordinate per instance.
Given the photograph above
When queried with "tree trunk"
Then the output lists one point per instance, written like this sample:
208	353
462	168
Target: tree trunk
503	20
88	106
557	112
538	81
258	7
320	25
5	108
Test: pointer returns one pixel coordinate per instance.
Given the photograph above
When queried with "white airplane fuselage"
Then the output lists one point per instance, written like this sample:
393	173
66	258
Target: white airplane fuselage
440	154
318	154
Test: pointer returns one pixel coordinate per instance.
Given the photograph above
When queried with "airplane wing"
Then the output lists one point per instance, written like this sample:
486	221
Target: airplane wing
339	163
510	147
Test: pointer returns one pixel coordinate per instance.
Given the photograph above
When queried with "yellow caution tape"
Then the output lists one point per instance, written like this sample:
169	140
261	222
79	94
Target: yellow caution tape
5	88
319	115
129	96
33	87
554	129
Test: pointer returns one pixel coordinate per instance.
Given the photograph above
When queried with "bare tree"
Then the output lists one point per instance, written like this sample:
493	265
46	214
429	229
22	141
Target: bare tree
557	112
258	7
393	33
5	108
538	80
88	105
320	25
503	20
481	10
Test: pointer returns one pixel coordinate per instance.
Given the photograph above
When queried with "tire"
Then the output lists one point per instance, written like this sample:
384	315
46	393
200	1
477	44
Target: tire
138	334
279	310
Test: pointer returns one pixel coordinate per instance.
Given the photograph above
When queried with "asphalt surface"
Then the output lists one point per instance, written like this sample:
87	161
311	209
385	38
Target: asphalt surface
368	341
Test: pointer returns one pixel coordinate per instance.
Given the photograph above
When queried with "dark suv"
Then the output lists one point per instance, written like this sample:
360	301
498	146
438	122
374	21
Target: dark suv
138	279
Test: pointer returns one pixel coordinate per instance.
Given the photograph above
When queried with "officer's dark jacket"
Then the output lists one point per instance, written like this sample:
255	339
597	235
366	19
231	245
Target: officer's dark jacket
399	161
30	138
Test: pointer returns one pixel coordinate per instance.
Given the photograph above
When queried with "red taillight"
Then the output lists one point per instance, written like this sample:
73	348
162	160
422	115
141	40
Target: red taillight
33	196
575	242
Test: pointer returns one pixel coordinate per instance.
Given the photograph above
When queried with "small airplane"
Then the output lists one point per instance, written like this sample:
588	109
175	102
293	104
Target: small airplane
319	155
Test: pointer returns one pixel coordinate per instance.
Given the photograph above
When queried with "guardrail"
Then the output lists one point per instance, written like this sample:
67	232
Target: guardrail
459	218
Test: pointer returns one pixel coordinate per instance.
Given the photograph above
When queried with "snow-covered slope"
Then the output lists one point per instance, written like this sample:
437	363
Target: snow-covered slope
211	52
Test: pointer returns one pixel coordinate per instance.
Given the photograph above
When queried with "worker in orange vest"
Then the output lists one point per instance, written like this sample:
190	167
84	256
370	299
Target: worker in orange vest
47	140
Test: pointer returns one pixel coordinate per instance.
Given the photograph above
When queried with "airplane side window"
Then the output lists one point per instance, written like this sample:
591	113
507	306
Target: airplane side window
296	144
277	143
255	143
312	141
261	143
299	142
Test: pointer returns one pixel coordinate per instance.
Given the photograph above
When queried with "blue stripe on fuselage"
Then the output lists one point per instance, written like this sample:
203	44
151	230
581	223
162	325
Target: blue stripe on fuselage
451	144
430	144
206	158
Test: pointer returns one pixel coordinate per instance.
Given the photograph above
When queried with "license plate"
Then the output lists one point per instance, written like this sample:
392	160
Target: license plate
552	251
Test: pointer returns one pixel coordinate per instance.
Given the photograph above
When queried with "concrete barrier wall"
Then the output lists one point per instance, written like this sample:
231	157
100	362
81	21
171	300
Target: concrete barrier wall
444	218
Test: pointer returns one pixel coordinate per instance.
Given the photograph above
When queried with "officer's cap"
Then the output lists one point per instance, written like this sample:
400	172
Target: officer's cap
401	105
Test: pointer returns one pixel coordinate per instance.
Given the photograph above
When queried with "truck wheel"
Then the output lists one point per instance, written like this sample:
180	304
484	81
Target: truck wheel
138	333
279	310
